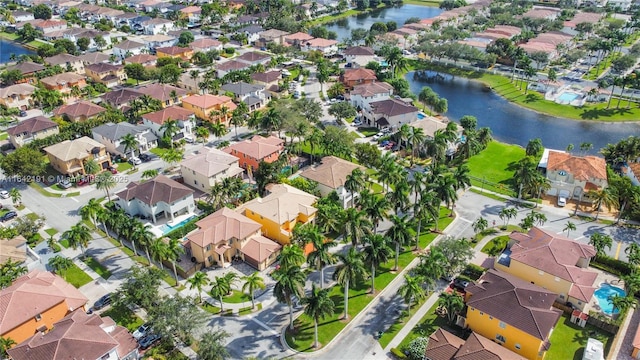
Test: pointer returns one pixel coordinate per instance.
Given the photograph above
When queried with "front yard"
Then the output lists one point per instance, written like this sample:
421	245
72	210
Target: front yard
124	317
568	340
492	166
76	277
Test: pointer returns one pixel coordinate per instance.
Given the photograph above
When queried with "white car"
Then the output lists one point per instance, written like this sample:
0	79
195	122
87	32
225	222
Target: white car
4	194
562	201
142	331
378	136
135	161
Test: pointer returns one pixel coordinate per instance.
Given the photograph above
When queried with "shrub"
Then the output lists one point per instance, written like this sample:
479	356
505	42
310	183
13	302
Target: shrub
607	263
473	271
417	348
229	50
398	354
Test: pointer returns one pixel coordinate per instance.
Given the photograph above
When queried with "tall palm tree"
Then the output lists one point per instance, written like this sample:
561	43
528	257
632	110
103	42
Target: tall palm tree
221	287
169	129
211	346
412	290
174	250
355	183
78	236
159	251
60	265
105	181
291	255
427	207
130	144
356	225
375	207
622	303
140	233
633	254
198	281
376	252
416	137
452	302
289	283
15	195
350	270
600	241
90	211
604	196
399	197
318	305
252	283
569	226
396	61
445	189
320	256
400	233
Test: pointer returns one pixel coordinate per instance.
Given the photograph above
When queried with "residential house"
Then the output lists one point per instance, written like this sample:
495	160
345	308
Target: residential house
74	34
209	107
359	55
443	345
391	112
159	41
106	74
252	32
192	14
26	131
120	98
157	26
111	136
175	52
79	111
22	16
572	173
254	58
17	96
190	84
358	76
252	95
271	36
64	82
128	48
406	36
553	262
512	312
205	45
331	175
28	70
252	151
49	26
168	95
185	118
244	19
145	60
66	61
17	251
363	95
156	198
35	302
226	67
280	211
68	157
325	46
226	234
94	58
270	80
208	167
298	39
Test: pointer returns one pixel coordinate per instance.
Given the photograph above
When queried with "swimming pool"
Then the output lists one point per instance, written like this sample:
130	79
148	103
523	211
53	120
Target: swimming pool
603	293
166	228
567	97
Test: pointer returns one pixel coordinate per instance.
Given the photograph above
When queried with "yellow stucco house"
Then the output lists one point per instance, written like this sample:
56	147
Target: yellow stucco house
553	262
515	314
68	157
280	211
209	107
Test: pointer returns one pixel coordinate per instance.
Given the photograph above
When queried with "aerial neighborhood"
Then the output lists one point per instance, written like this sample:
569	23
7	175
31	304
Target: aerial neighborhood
330	179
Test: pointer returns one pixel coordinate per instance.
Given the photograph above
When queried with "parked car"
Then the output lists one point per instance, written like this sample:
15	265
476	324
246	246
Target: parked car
23	113
460	284
563	195
142	331
82	181
104	301
65	184
378	136
356	122
147	341
145	157
8	216
135	161
112	170
4	194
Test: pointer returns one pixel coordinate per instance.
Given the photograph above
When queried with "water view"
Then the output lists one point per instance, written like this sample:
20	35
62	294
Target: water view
516	125
398	14
7	48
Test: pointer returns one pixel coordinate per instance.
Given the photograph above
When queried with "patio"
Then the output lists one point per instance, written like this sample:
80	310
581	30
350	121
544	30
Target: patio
164	225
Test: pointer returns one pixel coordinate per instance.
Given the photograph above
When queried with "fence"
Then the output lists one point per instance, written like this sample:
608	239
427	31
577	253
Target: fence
491	186
600	324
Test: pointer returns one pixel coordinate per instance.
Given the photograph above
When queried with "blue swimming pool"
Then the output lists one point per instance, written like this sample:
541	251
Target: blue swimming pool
603	293
166	228
567	97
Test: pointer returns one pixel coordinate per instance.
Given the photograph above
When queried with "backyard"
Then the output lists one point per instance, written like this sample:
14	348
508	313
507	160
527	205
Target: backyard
568	340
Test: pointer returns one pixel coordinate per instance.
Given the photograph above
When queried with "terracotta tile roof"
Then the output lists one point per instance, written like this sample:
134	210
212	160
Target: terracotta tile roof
478	347
259	248
81	108
320	42
140	59
191	10
211	162
73	149
359	51
205	43
442	345
13	249
26	67
267	77
153	191
172	112
518	303
257	147
120	97
333	172
128	45
299	36
371	89
173	50
284	203
161	92
94	58
17	89
581	167
208	101
232	65
221	226
33	294
32	125
62	59
101	68
392	107
62	79
359	74
272	34
252	57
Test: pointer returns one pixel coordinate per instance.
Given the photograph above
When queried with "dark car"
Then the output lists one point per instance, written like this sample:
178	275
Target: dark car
145	157
23	113
102	302
8	216
148	340
460	284
112	170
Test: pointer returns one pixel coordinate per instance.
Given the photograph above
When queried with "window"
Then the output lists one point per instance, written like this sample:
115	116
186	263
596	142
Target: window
562	173
481	313
502	325
518	347
501	338
38	317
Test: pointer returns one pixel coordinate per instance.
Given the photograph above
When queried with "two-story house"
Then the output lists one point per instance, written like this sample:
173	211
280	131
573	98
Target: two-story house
325	46
363	95
17	96
157	26
28	70
206	45
68	157
226	234
270	80
298	39
66	61
94	58
512	312
106	74
226	67
35	302
576	175
252	151
22	16
280	211
192	14
111	136
152	42
391	113
444	345
359	55
271	36
128	48
146	60
252	95
208	167
49	26
553	262
79	111
156	198
77	33
252	32
64	82
120	98
358	76
175	52
168	95
254	58
186	120
38	127
331	175
80	336
210	107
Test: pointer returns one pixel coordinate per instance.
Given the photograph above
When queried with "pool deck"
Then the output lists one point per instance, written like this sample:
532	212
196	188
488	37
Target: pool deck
156	228
603	277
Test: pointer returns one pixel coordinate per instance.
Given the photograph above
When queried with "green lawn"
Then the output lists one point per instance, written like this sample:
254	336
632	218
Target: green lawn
568	340
51	231
492	165
429	323
64	242
9	36
369	131
4	136
210	308
123	166
157	151
124	317
236	297
97	267
32	216
76	277
499	242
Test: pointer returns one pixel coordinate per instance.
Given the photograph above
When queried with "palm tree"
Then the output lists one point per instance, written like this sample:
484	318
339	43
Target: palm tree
399	197
60	265
622	303
211	346
194	75
173	252
396	61
218	129
412	290
633	254
172	156
202	133
5	344
91	210
289	283
356	225
198	281
169	129
142	234
130	143
78	236
375	207
318	306
626	192
291	255
400	233
376	252
445	189
105	181
252	283
159	251
320	256
452	302
416	137
506	214
427	206
150	173
15	195
604	196
350	270
569	226
480	225
355	183
221	286
600	241
91	167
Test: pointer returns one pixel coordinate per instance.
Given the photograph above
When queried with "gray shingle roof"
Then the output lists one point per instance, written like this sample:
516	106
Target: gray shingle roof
113	131
241	88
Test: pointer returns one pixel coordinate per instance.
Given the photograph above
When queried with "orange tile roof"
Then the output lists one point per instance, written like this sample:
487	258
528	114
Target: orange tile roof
582	167
258	147
208	101
359	74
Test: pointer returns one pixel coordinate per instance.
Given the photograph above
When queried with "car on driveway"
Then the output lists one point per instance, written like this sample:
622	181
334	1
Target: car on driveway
112	170
145	157
147	341
378	136
8	216
357	122
4	194
142	331
460	284
135	161
104	301
65	184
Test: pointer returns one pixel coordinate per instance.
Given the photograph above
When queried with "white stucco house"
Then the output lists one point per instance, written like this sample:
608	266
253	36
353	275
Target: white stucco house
186	120
111	136
331	175
208	167
363	95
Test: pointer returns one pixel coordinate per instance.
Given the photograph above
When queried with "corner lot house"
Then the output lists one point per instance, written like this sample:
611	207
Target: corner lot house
111	135
575	174
359	76
80	336
68	157
252	152
35	302
207	168
186	120
280	211
17	96
156	198
331	176
80	111
26	131
363	95
226	234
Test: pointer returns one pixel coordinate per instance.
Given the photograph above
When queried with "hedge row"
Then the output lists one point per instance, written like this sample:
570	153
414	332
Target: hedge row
609	264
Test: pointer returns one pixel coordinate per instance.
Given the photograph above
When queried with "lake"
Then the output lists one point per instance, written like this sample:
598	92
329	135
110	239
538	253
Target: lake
8	47
517	125
399	14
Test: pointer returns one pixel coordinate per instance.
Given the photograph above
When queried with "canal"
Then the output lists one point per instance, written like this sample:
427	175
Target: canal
8	47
